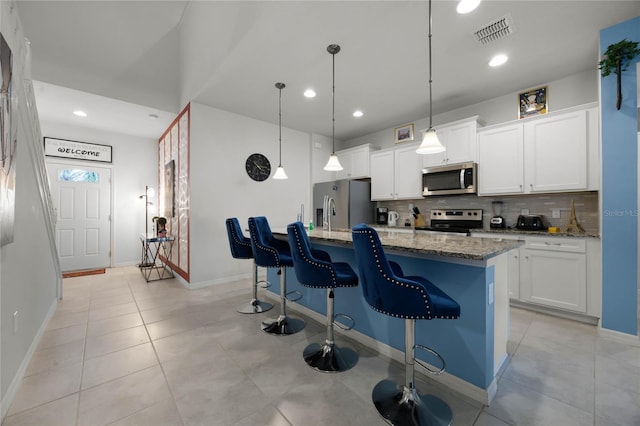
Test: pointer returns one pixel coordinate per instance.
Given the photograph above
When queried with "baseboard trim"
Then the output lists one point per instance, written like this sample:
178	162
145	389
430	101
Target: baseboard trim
12	390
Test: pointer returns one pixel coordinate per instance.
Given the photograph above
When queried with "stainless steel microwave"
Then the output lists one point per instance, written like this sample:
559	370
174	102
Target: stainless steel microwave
450	179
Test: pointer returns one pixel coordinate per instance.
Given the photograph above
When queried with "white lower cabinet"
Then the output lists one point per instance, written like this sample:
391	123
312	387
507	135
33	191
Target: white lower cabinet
553	272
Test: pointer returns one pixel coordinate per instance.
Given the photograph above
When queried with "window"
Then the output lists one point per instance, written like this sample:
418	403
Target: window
76	175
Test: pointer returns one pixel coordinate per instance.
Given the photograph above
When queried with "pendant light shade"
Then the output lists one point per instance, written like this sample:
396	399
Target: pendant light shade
280	174
333	165
430	143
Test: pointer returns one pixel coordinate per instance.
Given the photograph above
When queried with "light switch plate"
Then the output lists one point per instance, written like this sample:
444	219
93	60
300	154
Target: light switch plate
524	211
555	213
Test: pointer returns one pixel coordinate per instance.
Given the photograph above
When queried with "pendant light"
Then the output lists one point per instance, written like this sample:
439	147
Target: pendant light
280	174
430	143
333	165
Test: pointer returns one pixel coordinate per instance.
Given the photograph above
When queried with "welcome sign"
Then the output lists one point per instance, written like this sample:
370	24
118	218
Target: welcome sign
78	150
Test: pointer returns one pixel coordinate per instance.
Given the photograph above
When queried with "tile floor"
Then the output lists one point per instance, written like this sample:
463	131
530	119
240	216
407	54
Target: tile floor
119	351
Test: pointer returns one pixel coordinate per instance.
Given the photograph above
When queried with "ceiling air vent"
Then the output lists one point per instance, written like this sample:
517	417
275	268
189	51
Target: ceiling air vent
495	30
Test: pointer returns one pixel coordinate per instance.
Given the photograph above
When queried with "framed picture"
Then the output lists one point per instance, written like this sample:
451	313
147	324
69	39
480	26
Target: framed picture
403	133
533	102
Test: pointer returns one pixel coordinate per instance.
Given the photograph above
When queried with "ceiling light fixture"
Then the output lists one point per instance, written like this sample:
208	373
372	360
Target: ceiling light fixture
466	6
430	143
498	60
357	113
333	165
280	174
309	93
80	113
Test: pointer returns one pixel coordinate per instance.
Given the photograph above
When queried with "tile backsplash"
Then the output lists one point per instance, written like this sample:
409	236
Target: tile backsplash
586	206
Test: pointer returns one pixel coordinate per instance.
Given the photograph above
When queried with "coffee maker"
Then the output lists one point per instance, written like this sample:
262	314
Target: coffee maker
497	221
382	215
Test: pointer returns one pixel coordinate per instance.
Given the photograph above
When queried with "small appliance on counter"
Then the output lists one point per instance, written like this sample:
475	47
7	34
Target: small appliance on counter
382	215
531	222
497	221
392	218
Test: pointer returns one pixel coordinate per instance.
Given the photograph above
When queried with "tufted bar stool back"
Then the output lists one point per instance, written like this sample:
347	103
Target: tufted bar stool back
315	269
388	291
270	252
241	249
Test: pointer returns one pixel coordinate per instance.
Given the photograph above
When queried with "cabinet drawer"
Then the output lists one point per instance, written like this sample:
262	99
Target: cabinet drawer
553	244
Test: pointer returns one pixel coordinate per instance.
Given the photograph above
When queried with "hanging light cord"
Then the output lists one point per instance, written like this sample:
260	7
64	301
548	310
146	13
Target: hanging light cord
280	127
333	106
430	80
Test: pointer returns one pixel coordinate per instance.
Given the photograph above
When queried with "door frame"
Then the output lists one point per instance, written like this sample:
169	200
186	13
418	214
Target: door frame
81	163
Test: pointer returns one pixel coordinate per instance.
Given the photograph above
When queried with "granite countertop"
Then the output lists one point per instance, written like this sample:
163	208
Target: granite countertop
461	247
514	231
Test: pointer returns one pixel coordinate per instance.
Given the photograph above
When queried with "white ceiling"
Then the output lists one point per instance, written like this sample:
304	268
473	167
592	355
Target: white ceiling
131	51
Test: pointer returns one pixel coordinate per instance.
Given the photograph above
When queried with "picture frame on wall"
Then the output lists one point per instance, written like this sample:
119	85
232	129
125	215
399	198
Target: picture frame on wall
403	133
533	102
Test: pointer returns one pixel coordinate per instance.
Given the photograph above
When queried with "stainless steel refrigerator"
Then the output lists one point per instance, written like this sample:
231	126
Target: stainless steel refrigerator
352	201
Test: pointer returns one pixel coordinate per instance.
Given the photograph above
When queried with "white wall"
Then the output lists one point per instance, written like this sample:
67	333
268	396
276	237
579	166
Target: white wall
134	166
28	277
576	89
220	188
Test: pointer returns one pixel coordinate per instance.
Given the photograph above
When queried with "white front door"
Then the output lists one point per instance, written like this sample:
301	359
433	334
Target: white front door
82	198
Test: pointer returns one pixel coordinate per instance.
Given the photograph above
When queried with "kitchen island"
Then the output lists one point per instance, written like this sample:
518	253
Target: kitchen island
473	271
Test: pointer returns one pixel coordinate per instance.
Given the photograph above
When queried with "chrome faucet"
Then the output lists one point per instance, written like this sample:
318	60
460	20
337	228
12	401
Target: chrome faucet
301	214
328	210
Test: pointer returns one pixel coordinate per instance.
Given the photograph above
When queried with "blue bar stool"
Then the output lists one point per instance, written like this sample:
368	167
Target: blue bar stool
241	249
388	291
270	252
316	272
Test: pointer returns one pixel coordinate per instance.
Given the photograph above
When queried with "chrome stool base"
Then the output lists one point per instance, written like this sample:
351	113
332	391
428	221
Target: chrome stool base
329	358
283	326
404	406
254	307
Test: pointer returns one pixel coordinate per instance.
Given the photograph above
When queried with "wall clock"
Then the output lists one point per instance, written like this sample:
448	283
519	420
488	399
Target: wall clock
258	167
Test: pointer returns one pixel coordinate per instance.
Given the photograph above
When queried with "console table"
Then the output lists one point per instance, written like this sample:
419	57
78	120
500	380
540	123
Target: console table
155	253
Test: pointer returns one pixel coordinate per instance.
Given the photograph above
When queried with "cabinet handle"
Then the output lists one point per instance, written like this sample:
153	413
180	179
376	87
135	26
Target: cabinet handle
552	244
531	185
520	186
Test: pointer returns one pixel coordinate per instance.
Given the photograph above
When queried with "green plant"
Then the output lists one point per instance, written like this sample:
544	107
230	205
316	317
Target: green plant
617	58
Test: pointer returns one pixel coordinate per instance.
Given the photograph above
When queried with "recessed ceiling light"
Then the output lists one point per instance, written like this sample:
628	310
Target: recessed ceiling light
466	6
498	60
357	113
309	93
80	113
153	116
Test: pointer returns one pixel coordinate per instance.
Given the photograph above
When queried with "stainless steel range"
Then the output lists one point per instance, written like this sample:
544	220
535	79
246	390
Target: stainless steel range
459	221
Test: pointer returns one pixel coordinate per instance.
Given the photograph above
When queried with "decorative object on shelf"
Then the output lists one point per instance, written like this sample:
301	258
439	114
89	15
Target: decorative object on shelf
258	167
573	225
160	225
403	133
533	102
617	58
280	174
430	142
333	165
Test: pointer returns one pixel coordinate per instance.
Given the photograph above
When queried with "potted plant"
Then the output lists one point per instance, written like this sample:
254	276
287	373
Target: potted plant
160	225
617	58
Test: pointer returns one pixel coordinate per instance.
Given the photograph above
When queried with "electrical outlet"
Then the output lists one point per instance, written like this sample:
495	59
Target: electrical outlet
14	322
555	213
524	211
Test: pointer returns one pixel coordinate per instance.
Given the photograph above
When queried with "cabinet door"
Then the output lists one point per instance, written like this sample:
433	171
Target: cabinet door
382	174
345	162
408	173
556	153
439	159
553	278
500	160
360	163
514	274
461	143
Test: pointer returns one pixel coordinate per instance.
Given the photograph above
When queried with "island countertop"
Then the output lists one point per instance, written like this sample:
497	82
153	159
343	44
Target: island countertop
424	243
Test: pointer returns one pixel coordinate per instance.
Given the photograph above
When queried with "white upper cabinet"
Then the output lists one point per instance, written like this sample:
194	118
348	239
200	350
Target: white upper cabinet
552	153
396	174
459	138
355	162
